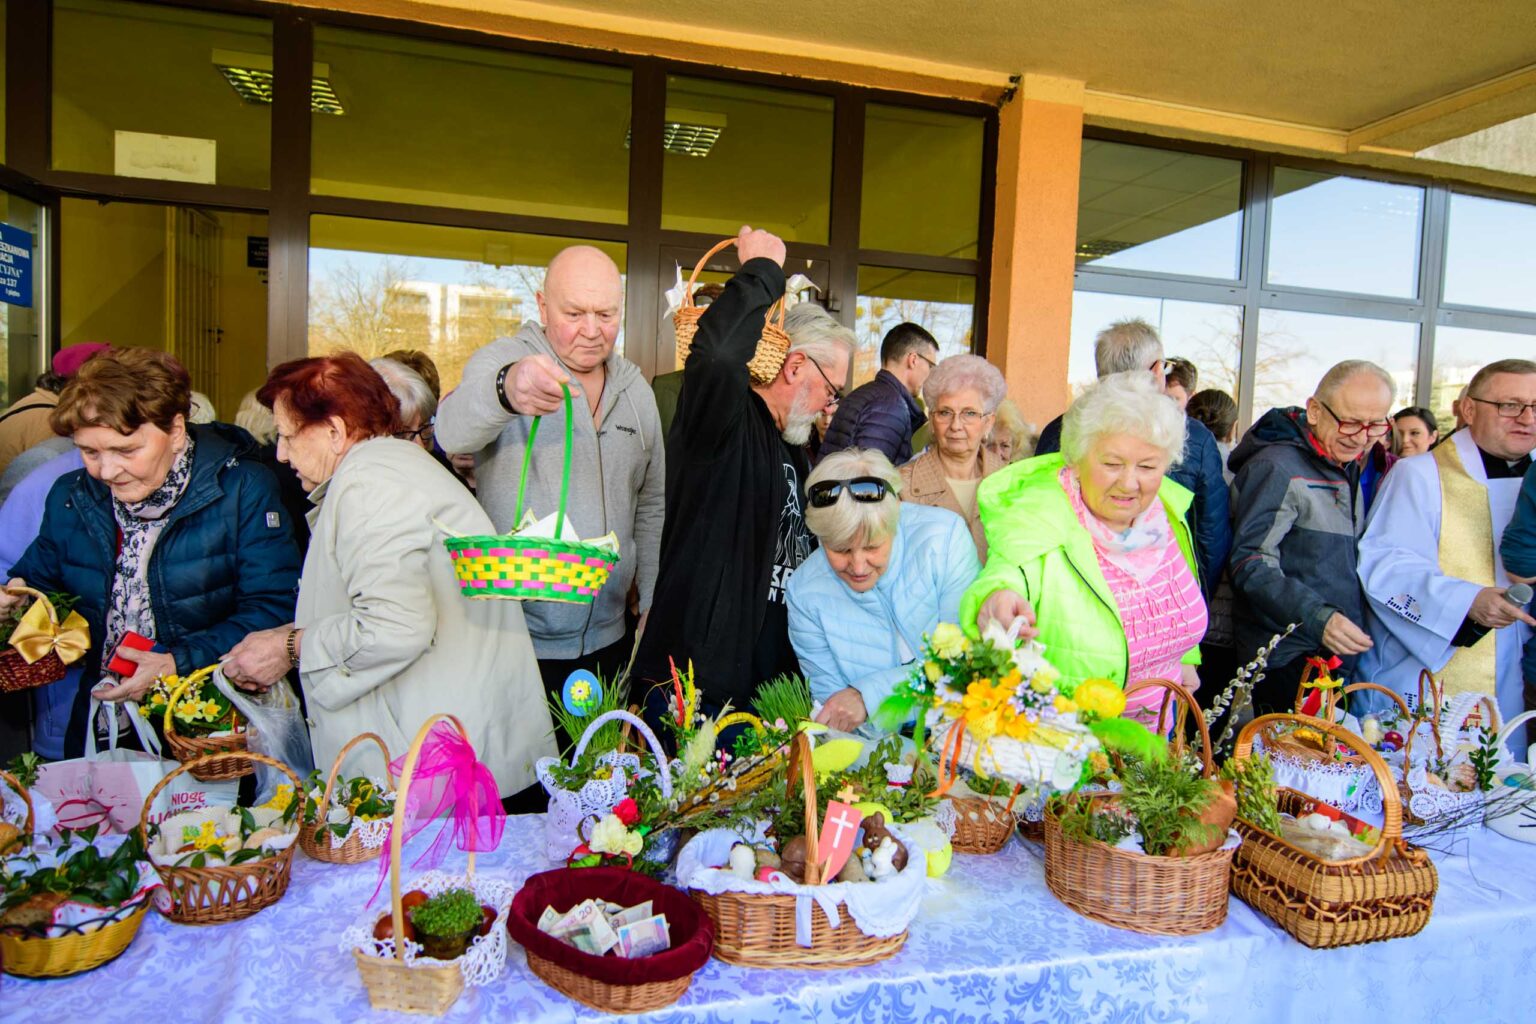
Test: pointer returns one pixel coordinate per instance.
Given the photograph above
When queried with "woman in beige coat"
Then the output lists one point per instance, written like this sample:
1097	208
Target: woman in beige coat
962	395
382	638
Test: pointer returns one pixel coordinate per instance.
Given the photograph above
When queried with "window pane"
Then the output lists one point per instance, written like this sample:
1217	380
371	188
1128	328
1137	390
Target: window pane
376	286
126	74
1462	351
1489	258
140	274
1296	349
21	349
1141	208
1207	334
944	304
479	128
746	154
910	153
1344	234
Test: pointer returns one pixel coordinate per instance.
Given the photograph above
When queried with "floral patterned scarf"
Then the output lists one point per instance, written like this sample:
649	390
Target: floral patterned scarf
140	523
1139	548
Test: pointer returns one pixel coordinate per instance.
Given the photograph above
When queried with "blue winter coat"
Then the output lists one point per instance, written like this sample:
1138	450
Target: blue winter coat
224	566
869	641
881	414
1518	550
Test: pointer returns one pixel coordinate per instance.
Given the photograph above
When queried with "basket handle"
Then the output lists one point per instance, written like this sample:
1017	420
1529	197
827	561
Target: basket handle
1187	708
26	798
565	470
1397	698
1392	807
53	614
663	775
1513	724
341	755
397	825
698	269
198	762
183	687
803	771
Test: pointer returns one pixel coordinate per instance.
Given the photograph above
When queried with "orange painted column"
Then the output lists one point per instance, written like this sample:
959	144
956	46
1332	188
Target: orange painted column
1029	319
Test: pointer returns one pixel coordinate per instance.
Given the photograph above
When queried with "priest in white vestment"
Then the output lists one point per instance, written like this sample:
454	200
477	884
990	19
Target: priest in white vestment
1429	558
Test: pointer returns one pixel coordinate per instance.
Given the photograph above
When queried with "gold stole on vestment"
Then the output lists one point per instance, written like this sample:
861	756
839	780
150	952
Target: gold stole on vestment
1466	552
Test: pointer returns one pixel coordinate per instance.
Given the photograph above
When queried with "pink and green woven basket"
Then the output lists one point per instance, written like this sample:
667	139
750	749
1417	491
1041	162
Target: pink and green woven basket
533	568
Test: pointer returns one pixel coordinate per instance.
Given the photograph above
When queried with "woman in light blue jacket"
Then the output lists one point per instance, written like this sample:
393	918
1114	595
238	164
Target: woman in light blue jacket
885	574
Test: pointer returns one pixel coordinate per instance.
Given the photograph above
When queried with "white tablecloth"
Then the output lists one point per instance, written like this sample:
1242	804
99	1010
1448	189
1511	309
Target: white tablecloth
991	944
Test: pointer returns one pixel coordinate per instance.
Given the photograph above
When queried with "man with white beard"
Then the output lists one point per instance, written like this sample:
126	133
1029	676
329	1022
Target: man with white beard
735	527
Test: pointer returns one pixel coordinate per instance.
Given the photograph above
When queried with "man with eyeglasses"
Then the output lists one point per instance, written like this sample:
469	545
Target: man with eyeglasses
1430	559
736	467
1300	511
883	414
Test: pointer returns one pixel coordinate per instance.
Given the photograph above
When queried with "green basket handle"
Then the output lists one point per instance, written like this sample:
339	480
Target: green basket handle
565	469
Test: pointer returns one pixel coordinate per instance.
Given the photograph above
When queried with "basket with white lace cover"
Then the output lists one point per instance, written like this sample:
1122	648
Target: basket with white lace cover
1438	781
1322	768
321	836
1511	804
570	811
818	925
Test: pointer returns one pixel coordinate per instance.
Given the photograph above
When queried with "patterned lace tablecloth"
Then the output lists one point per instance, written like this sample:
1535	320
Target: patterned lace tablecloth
991	944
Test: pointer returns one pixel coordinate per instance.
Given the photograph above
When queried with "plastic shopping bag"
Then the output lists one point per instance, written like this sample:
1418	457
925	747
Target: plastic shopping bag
276	728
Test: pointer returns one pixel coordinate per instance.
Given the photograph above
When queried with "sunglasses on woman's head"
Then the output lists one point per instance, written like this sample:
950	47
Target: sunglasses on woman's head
863	488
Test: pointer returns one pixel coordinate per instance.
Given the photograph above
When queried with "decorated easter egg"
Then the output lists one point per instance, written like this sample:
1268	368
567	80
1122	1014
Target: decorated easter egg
581	693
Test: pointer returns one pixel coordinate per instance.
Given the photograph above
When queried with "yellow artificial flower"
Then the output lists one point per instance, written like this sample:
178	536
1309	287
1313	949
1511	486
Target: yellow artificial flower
203	838
985	707
1102	697
1040	684
281	799
1064	705
948	641
932	671
1021	729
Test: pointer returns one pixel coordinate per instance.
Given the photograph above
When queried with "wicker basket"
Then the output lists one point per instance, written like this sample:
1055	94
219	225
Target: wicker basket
982	825
352	850
1140	892
1385	894
218	895
758	930
612	984
16	673
26	799
392	984
1306	754
1417	802
514	568
218	758
772	347
30	957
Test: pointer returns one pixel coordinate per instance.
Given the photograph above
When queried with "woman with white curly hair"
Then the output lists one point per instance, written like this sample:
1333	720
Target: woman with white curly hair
886	572
1090	548
962	395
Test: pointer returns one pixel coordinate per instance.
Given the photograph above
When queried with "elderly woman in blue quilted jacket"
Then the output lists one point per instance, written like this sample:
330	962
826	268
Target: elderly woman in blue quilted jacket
171	531
886	573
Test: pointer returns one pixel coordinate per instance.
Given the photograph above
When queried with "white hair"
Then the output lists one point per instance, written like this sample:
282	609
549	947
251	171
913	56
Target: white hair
957	373
1342	373
409	388
256	419
202	409
1126	345
818	334
1123	403
846	521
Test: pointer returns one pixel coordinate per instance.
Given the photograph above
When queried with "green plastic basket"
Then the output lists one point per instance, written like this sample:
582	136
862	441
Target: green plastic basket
533	568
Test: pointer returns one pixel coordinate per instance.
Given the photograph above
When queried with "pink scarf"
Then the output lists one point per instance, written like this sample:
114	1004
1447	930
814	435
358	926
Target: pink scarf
1138	549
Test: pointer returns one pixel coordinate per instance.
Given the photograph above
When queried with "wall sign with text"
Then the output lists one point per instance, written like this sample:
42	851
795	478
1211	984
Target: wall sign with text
15	266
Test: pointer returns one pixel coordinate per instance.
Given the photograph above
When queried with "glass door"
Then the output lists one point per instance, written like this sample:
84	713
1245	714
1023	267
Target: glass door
23	272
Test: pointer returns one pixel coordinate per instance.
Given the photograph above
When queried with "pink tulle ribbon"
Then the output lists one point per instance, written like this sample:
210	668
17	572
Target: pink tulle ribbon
448	778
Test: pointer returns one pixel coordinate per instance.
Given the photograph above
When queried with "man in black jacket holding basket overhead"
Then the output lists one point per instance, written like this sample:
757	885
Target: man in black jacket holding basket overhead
735	525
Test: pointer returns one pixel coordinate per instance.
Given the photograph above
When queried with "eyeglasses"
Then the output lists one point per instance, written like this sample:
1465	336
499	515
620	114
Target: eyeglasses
1508	410
863	488
968	417
837	392
421	433
931	364
1349	428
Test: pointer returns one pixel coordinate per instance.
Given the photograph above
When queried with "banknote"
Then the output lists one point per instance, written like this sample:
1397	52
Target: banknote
548	918
638	912
644	937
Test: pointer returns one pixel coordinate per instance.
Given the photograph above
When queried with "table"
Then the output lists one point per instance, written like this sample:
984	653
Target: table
990	945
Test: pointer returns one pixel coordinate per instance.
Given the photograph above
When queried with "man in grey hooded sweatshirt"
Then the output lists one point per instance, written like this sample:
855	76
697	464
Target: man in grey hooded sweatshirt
618	473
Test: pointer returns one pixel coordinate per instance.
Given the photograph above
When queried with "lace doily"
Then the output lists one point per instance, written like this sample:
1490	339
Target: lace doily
945	817
878	909
1351	788
568	809
373	834
486	957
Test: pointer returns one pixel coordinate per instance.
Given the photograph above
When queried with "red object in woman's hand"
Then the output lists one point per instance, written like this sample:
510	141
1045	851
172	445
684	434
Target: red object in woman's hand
133	641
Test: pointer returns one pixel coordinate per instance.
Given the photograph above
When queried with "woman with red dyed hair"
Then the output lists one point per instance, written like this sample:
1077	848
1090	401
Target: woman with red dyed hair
382	639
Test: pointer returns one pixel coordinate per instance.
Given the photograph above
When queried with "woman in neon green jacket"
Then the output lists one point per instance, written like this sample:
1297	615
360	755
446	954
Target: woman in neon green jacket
1090	547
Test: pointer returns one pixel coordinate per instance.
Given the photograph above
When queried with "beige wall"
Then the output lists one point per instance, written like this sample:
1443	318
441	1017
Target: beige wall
243	307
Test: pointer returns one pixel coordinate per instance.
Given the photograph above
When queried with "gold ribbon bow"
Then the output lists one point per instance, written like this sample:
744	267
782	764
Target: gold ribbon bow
39	632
